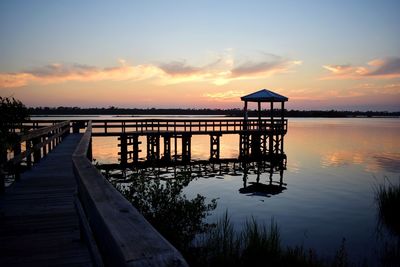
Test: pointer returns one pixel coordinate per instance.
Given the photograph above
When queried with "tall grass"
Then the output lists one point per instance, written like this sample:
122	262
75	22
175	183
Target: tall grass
255	245
388	199
387	196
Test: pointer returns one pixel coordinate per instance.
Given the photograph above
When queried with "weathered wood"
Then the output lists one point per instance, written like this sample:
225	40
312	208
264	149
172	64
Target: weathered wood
186	147
21	155
87	234
42	131
39	225
123	149
123	235
177	126
214	146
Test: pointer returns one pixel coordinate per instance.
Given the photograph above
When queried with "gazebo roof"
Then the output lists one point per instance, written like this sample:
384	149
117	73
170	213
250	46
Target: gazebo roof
264	95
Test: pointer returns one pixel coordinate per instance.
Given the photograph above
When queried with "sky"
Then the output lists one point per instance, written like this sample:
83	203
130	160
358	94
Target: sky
323	55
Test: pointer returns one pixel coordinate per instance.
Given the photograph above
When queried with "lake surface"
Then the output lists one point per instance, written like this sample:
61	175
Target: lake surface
333	166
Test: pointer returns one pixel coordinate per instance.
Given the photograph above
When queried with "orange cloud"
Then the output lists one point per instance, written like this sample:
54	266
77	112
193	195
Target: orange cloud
11	80
219	72
387	68
59	73
263	68
228	95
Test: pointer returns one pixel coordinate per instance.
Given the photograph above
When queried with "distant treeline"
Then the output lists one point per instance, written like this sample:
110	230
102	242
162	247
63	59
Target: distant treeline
221	112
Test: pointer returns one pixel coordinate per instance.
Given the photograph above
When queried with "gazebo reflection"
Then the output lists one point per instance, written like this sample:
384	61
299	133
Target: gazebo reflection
271	186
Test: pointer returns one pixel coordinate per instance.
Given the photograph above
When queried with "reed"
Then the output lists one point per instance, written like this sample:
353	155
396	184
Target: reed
387	196
255	245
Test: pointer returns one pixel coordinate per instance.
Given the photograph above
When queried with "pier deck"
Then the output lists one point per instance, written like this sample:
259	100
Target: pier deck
39	225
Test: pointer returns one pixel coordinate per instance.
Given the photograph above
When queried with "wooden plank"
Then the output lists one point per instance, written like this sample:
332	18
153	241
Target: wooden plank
124	237
42	131
39	225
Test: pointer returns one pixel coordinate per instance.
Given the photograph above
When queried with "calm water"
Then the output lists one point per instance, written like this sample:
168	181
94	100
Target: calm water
332	168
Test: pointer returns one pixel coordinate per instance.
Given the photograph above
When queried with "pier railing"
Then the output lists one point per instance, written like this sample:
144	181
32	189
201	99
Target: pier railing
32	146
173	126
123	235
191	126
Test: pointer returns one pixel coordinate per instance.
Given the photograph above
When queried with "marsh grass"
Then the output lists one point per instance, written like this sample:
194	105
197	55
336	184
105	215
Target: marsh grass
387	196
255	245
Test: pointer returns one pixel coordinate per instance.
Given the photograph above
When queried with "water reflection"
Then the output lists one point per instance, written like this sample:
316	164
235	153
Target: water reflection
258	188
332	169
388	161
341	143
271	171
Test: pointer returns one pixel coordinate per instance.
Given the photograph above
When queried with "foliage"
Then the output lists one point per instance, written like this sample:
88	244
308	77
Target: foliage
164	205
13	113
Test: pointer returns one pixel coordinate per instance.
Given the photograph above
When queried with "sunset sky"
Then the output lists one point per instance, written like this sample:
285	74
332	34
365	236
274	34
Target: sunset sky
320	54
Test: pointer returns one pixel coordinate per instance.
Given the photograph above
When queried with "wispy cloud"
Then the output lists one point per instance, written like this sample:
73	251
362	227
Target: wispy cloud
228	95
226	69
389	90
386	68
178	68
219	71
263	68
59	73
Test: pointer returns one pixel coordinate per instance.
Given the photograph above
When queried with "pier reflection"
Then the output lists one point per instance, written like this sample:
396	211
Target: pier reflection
261	176
262	169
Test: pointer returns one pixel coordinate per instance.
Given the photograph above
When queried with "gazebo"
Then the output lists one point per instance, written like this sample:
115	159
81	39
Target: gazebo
264	95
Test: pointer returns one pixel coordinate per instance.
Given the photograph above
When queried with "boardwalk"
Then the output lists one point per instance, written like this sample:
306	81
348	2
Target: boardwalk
39	225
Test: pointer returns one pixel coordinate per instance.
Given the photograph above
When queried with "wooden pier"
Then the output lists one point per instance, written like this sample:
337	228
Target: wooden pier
39	225
62	211
258	138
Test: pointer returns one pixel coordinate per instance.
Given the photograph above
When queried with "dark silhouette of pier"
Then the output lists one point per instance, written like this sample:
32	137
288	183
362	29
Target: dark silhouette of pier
63	210
39	224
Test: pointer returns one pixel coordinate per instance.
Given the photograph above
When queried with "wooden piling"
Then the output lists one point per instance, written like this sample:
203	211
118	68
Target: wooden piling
215	146
244	146
186	147
123	150
167	147
153	147
255	145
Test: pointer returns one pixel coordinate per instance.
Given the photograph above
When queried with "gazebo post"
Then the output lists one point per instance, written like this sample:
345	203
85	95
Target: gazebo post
272	113
283	110
259	115
245	116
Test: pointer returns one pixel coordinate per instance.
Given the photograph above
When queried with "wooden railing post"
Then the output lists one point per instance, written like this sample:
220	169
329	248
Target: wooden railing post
28	153
3	160
43	140
50	144
17	165
75	127
36	151
89	151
